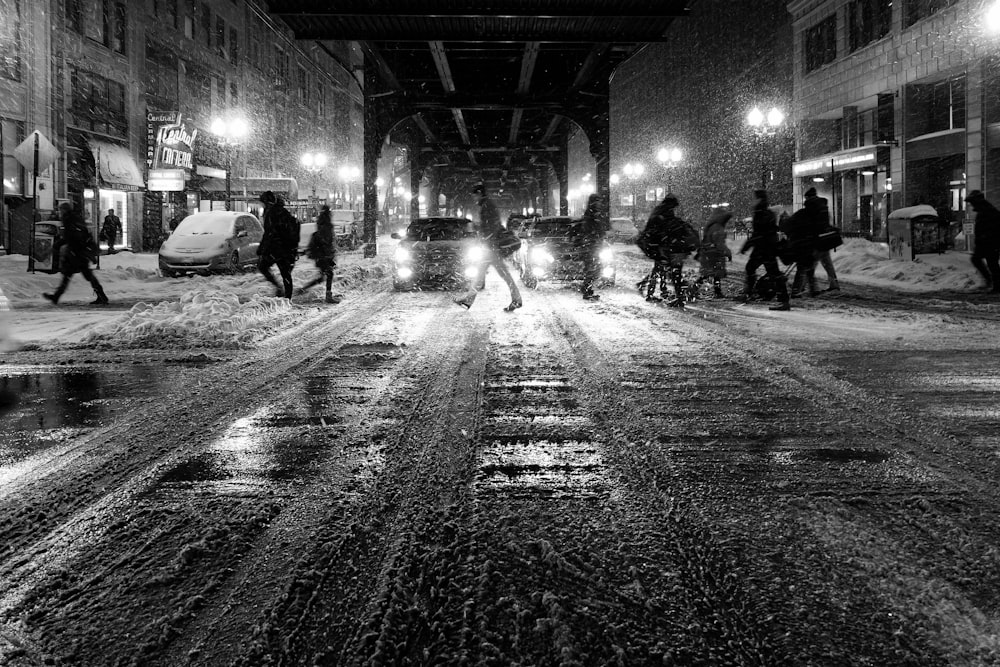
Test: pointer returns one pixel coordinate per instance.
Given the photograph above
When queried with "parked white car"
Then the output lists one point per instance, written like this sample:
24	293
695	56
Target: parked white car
212	242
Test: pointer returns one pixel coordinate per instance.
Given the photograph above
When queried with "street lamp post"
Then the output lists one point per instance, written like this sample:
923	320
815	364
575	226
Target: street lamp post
633	172
765	127
348	174
669	158
314	163
230	132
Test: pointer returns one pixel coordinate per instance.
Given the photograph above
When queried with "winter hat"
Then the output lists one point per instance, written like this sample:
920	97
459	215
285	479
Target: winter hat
268	197
975	195
811	192
760	194
670	201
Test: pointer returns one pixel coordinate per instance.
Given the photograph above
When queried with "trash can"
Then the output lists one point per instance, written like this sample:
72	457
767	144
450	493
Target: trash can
46	247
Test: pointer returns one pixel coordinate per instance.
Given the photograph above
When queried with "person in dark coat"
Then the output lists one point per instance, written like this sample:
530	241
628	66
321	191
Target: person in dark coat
714	251
803	230
763	244
986	254
78	251
280	243
823	257
588	237
323	250
489	230
109	230
666	239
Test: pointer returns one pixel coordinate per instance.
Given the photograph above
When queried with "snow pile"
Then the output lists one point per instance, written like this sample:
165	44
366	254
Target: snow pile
199	319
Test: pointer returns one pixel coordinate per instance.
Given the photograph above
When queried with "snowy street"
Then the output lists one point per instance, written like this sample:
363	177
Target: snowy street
395	479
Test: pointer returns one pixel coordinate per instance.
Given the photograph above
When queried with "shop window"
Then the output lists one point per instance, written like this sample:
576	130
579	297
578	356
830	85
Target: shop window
10	45
13	134
867	21
98	104
885	127
820	43
917	10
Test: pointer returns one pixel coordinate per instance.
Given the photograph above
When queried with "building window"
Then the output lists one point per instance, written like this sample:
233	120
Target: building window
220	35
281	66
234	49
166	10
189	20
13	135
10	45
95	21
119	42
916	10
234	95
98	104
206	23
935	107
161	72
820	43
303	86
868	20
74	15
321	94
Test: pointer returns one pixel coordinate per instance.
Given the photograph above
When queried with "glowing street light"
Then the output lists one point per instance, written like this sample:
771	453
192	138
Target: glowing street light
669	158
231	132
314	163
765	126
993	18
633	172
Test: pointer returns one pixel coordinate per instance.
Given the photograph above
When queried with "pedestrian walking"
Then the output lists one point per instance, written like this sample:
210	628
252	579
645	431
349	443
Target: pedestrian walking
823	257
279	244
763	244
714	252
322	249
109	230
667	240
493	236
986	254
78	251
588	237
803	229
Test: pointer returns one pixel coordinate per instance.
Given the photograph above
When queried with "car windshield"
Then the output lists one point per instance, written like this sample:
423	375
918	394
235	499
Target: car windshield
207	225
437	230
553	227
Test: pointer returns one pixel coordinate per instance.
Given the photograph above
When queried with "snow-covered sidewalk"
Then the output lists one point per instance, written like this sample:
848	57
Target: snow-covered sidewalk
240	310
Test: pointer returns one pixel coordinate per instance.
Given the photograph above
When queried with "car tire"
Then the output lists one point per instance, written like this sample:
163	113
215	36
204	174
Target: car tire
169	273
234	262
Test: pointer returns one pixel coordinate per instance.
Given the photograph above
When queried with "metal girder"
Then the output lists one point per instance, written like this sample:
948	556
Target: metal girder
422	124
528	61
441	63
463	130
387	74
515	126
590	64
479	9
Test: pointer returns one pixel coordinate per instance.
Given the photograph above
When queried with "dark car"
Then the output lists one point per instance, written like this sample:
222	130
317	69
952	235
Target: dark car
549	252
440	252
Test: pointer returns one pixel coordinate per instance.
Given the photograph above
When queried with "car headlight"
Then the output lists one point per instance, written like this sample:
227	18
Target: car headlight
402	255
475	254
404	273
607	255
541	256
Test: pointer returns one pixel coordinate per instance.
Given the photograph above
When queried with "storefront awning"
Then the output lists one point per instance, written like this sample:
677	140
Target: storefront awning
252	188
116	168
841	161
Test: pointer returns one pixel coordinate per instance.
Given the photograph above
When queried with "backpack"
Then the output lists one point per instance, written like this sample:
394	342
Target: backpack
286	229
682	237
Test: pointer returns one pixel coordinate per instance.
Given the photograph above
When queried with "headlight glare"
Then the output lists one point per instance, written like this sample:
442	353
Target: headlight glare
402	255
607	255
475	254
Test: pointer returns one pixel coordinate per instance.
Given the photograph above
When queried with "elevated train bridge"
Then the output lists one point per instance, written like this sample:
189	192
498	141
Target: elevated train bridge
484	90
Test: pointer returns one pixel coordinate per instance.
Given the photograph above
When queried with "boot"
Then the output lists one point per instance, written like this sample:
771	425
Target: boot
717	291
330	298
54	298
102	298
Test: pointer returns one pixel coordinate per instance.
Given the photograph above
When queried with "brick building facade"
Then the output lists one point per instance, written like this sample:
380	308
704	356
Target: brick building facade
896	104
109	81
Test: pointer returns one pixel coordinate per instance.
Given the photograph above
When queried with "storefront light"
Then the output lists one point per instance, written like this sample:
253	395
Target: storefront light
818	179
88	193
867	172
